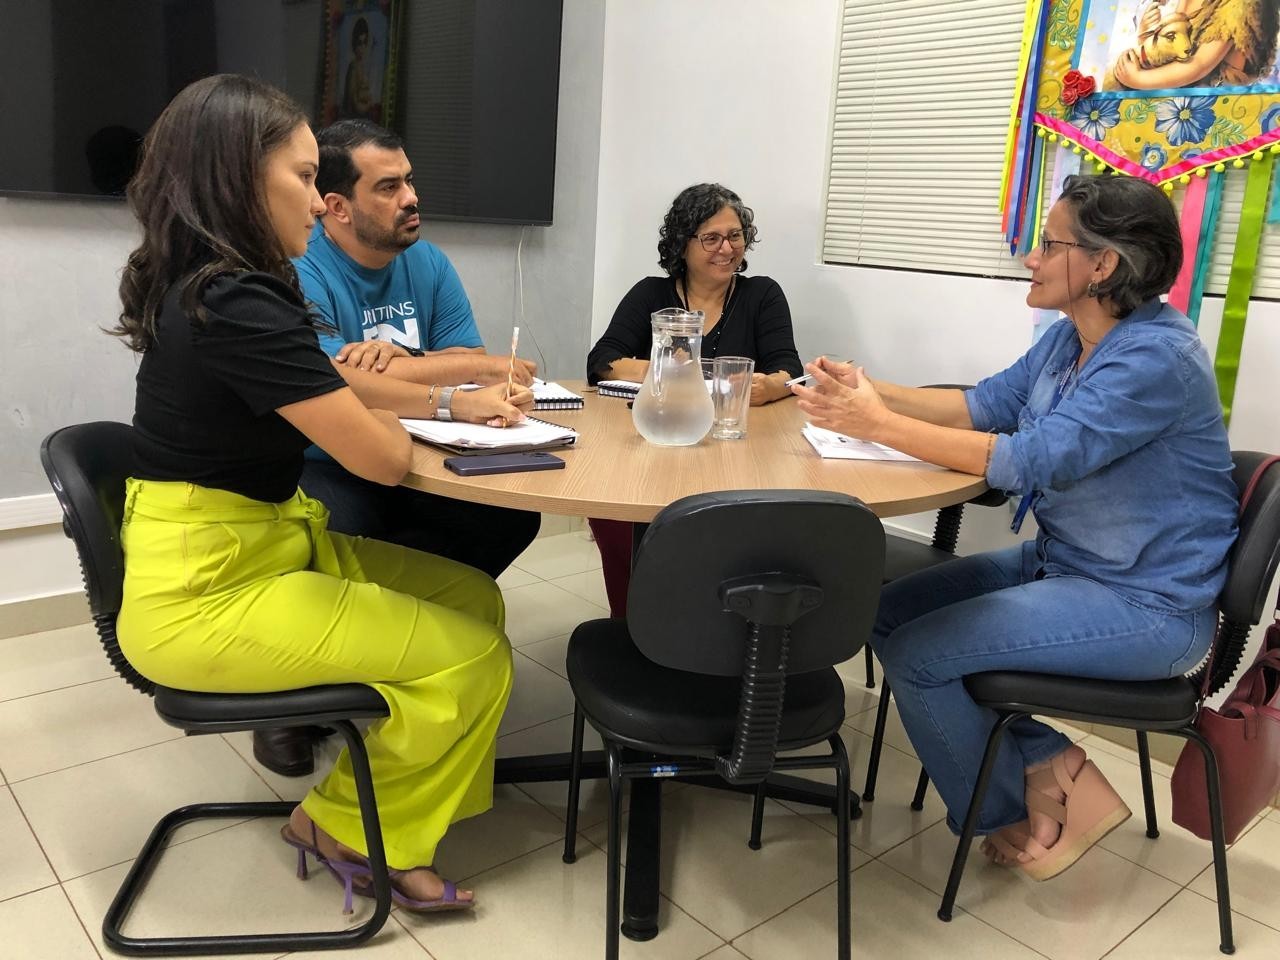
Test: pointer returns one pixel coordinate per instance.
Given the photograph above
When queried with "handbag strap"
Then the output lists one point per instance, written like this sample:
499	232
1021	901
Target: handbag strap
1245	497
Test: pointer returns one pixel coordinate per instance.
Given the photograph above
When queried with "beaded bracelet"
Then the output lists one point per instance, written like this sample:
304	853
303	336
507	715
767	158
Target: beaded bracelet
432	392
991	448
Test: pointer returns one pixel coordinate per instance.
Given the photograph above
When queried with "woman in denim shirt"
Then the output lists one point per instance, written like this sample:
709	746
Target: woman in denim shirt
1111	432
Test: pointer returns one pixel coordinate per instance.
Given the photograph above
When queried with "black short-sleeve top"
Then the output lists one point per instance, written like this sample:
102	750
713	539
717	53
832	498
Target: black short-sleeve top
755	323
207	391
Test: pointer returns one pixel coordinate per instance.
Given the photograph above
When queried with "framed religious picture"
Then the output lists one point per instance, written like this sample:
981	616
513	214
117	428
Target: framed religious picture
360	60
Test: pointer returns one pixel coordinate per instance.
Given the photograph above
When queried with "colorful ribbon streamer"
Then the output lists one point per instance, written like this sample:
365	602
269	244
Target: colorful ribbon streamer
1244	264
1192	216
1204	251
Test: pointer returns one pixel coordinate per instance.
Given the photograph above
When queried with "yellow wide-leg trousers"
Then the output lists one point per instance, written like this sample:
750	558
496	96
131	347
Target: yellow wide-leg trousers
231	595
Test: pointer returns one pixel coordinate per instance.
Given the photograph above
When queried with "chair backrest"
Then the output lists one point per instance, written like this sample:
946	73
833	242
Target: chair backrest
1251	565
696	546
87	465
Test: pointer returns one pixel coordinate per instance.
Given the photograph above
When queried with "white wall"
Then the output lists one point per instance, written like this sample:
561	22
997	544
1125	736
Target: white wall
676	112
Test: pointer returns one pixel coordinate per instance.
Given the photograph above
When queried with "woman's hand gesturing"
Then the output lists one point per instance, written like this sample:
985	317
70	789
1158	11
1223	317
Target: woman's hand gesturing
842	397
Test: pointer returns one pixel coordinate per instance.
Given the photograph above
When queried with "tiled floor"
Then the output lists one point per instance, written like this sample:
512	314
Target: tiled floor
88	768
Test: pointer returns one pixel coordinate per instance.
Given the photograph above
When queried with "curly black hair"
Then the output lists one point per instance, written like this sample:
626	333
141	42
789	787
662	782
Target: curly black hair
693	206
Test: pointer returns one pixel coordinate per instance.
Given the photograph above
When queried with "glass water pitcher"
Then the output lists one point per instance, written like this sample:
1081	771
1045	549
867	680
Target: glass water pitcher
673	408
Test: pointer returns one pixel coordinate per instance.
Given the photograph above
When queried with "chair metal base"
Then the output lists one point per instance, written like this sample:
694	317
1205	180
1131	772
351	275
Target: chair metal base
136	880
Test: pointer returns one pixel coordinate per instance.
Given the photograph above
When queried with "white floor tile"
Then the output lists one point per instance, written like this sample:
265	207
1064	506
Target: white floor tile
23	867
892	916
1176	853
560	556
1078	915
1186	928
50	660
708	869
288	788
727	952
556	736
514	577
238	880
589	586
97	814
889	819
52	731
42	926
538	908
550	653
537	695
542	610
1095	744
1253	874
516	825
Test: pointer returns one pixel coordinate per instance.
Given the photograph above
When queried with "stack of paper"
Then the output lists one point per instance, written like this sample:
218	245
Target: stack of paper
528	434
836	446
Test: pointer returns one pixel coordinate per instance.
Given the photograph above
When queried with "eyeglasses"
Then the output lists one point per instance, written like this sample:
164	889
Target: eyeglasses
711	242
1046	245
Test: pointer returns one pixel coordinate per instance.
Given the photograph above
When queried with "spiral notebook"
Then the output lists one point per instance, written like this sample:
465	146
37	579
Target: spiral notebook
548	395
627	389
467	438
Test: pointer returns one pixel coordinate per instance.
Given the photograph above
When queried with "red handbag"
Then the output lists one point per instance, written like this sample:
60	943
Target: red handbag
1245	735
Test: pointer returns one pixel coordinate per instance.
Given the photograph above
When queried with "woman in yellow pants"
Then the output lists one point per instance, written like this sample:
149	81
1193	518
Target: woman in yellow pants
232	581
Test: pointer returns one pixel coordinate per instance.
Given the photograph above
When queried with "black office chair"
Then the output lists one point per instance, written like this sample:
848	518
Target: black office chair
739	605
87	465
903	555
1168	706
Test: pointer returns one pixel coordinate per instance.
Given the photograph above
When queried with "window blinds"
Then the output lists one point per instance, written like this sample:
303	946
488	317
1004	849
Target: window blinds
918	132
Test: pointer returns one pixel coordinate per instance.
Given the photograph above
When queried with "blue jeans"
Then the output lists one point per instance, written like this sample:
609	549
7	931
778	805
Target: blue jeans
990	612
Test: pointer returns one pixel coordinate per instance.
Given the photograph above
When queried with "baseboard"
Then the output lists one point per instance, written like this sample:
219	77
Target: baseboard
21	617
553	525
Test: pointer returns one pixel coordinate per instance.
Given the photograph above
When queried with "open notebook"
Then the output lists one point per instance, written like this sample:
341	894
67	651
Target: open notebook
465	438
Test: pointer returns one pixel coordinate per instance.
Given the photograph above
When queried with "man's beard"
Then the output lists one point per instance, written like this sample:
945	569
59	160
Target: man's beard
377	237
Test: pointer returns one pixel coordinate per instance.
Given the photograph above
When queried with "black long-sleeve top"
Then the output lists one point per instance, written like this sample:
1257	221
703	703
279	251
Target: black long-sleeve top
756	323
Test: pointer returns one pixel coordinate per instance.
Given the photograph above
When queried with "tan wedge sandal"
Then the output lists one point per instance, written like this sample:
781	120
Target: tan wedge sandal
1091	811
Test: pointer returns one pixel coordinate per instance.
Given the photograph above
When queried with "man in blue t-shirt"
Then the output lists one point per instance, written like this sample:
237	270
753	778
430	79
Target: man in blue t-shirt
394	305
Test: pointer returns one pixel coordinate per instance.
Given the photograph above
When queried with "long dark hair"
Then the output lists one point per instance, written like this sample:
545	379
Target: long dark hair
198	196
693	206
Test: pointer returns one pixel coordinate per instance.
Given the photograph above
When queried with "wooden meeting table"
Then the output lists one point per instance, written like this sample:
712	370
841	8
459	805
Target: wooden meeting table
612	473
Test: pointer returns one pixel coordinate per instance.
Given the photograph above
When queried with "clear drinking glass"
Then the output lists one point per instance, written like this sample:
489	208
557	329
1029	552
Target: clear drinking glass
672	408
731	396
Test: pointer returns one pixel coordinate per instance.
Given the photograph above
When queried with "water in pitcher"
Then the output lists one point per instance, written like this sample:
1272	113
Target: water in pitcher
673	407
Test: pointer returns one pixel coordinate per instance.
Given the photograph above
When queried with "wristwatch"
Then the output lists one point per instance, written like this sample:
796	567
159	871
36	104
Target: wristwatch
444	410
412	351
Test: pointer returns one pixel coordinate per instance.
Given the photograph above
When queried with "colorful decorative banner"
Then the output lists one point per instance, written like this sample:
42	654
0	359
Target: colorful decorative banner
1175	86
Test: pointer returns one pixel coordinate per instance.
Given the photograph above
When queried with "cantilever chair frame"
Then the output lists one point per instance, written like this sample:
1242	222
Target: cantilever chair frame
87	465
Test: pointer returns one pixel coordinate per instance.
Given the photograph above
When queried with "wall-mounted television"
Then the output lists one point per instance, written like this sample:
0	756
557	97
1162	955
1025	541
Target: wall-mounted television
471	85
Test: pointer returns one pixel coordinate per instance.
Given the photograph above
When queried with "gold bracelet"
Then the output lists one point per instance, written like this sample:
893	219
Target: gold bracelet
991	448
431	394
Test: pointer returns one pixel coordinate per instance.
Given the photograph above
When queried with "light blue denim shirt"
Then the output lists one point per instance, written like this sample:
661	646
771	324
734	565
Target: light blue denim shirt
1132	468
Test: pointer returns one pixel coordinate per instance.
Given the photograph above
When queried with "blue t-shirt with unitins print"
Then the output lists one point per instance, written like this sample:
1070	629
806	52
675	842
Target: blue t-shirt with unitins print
416	300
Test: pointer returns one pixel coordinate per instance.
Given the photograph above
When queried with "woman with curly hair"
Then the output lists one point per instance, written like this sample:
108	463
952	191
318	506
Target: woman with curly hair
701	247
1233	43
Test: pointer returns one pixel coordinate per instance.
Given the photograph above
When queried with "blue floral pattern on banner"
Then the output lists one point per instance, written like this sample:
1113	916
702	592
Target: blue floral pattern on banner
1184	119
1153	156
1094	117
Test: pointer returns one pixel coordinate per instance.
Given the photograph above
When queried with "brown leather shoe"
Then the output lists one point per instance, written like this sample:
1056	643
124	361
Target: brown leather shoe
285	750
